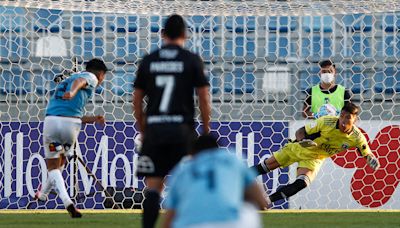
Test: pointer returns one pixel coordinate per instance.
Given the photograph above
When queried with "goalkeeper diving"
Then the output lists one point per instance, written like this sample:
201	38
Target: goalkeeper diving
323	138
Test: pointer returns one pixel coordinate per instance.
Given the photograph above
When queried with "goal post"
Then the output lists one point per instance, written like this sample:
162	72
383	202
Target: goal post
260	58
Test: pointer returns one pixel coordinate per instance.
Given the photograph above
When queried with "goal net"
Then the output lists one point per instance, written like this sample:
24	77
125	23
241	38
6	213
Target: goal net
260	57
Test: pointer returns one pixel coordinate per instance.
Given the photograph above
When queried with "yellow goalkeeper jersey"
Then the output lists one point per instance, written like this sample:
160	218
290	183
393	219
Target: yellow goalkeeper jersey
331	140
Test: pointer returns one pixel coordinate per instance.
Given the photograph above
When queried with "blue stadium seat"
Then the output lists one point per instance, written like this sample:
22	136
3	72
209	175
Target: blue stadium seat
313	48
309	78
87	23
358	82
124	24
208	48
360	46
391	46
215	82
155	42
241	24
44	81
203	24
12	19
156	23
282	24
387	81
14	49
279	46
15	81
241	48
122	82
47	20
391	23
318	24
126	48
239	82
358	22
89	47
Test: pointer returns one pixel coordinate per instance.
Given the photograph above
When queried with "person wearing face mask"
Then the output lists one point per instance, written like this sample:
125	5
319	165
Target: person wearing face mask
326	98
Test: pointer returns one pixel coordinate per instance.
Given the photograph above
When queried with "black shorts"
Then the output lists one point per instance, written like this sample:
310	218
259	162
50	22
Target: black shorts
163	147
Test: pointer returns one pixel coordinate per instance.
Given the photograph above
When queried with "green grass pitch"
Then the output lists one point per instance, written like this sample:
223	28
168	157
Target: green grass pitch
130	218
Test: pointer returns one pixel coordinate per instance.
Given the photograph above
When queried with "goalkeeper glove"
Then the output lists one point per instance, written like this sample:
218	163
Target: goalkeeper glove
307	143
372	161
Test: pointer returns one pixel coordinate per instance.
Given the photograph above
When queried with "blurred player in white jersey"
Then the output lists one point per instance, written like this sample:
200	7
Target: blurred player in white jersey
210	191
64	116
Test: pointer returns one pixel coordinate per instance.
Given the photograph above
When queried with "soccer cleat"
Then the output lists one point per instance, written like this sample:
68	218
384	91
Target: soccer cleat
38	194
73	212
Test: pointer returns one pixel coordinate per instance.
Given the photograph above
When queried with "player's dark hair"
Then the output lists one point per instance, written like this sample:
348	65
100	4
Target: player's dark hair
351	108
95	66
175	27
326	63
204	142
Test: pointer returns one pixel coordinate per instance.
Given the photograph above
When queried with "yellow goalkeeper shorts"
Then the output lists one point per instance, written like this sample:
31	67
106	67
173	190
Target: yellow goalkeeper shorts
293	152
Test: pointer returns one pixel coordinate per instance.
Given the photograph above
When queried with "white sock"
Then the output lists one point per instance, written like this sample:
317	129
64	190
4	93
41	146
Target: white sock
46	188
59	186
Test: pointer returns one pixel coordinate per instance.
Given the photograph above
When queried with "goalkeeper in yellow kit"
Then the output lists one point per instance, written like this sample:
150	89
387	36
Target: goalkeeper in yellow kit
316	141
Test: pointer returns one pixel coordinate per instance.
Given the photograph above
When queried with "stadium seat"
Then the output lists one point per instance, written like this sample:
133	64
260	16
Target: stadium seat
47	20
122	82
14	49
279	46
309	78
126	49
208	48
87	23
88	47
239	82
241	24
392	45
387	81
44	81
124	24
215	81
240	49
156	23
391	23
311	47
16	81
358	22
318	24
281	24
360	46
12	19
203	24
357	81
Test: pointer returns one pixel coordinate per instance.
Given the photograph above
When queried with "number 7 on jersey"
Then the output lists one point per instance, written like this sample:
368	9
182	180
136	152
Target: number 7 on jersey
167	82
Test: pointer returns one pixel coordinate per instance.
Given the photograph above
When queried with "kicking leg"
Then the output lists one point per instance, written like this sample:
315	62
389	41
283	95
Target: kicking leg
151	204
266	166
304	177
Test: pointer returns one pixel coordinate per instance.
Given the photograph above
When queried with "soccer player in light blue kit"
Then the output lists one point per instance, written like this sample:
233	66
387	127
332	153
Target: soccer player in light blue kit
64	116
210	190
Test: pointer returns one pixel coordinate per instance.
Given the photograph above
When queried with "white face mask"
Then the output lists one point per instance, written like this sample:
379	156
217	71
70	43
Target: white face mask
327	78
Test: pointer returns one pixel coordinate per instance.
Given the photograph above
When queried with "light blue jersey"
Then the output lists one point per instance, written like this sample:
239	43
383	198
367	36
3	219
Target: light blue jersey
209	188
74	107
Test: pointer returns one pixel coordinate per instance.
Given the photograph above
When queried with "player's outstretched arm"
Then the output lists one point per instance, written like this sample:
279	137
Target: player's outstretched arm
372	161
76	86
93	119
205	107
